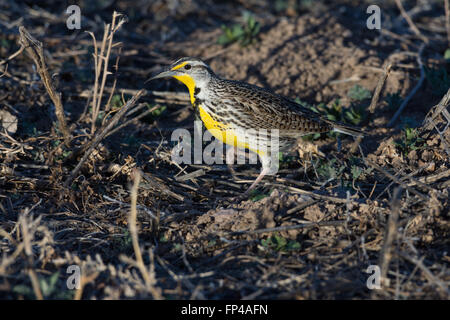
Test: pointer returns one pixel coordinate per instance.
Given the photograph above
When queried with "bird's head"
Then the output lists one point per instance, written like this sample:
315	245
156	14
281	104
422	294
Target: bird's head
193	72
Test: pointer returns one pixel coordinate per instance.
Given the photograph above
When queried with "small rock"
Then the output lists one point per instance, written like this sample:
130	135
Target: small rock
8	121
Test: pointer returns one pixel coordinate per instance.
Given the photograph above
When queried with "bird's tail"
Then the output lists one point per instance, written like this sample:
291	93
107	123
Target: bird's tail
348	130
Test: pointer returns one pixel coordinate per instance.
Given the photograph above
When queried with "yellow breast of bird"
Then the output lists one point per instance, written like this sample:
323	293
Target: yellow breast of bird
219	130
223	132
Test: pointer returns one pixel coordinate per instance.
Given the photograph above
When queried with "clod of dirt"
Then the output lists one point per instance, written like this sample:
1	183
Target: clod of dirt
249	215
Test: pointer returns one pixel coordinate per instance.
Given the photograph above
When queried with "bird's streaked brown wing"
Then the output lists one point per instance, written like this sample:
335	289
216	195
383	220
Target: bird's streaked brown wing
264	109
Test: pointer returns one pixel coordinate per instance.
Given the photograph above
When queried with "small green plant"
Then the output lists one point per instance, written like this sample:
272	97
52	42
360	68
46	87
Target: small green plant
116	102
410	141
157	112
24	291
49	289
64	155
285	159
306	4
333	112
359	93
329	169
212	243
125	243
355	114
447	54
279	243
356	172
245	34
56	143
357	169
255	195
48	286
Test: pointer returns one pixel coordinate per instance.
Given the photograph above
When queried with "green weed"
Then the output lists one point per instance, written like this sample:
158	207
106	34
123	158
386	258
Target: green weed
355	114
245	34
359	93
447	54
116	102
255	195
279	243
49	289
410	141
329	169
157	112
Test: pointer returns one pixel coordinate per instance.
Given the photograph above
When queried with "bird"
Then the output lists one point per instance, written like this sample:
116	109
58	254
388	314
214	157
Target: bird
238	113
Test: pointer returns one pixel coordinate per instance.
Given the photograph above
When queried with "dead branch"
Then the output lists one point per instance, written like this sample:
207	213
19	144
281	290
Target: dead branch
101	61
440	110
100	135
410	22
390	235
397	180
132	225
428	274
373	103
35	50
436	111
414	90
147	275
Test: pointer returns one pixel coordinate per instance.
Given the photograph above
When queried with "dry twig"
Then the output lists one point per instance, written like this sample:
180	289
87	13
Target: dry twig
373	103
428	274
35	50
414	90
390	235
100	135
397	180
410	22
101	61
147	275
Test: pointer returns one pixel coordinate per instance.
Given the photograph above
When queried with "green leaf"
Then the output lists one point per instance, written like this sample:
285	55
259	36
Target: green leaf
356	172
359	93
22	289
293	245
447	54
237	31
258	196
223	39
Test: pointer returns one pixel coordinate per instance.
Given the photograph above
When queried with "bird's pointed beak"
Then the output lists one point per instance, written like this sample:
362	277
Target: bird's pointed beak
164	74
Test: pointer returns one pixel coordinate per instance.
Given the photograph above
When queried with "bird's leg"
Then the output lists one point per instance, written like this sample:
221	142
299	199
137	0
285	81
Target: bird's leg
230	156
269	166
264	171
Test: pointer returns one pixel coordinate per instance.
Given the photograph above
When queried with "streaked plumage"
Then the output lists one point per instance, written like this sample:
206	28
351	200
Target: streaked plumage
235	106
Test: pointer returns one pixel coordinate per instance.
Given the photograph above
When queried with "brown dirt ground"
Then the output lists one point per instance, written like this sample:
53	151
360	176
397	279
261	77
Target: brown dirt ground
308	233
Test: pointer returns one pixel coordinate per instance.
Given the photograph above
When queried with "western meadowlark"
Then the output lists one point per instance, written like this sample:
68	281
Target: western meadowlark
236	112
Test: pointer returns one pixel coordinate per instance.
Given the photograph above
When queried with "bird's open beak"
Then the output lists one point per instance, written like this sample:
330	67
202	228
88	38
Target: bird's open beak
164	74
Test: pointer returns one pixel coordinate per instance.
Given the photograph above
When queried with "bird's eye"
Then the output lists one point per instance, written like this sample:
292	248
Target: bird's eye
187	67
